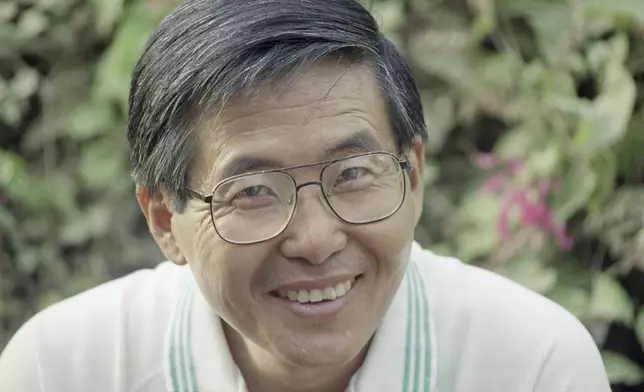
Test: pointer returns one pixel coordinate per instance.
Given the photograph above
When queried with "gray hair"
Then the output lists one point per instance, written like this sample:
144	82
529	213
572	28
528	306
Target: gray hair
207	51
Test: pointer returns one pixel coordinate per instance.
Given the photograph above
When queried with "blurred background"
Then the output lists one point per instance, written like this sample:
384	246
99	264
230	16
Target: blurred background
535	162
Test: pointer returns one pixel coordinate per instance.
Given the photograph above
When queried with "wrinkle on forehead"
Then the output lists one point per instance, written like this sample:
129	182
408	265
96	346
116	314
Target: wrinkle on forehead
321	93
313	89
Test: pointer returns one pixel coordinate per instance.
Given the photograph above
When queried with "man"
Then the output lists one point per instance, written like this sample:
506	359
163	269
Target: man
277	148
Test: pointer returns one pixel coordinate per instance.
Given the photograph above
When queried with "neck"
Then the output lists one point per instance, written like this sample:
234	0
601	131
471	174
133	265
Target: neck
263	372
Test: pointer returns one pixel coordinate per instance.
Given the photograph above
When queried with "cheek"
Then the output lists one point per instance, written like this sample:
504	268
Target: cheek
225	274
392	237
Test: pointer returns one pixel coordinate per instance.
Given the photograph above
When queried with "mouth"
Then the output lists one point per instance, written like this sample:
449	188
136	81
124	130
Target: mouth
318	295
323	303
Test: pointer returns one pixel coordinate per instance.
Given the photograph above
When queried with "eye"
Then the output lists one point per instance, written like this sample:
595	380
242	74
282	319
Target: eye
254	197
352	174
255	191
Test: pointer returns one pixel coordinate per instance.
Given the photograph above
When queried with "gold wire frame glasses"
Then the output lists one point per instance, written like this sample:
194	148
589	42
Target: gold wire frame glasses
255	207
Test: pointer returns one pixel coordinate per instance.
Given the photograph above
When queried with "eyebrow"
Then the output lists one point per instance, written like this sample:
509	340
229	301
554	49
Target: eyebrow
363	141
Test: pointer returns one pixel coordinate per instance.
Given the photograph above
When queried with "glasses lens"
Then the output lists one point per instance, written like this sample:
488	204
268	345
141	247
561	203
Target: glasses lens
253	208
366	188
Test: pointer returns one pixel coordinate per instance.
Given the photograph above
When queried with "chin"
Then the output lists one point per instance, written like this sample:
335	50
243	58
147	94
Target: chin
322	352
314	358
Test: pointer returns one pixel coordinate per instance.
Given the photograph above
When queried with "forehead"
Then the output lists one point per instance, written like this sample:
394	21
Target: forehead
322	113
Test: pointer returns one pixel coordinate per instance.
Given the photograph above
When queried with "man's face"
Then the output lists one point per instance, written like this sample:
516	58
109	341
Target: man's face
324	107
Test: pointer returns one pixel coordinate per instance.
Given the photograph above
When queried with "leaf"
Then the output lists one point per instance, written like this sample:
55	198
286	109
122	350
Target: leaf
12	169
102	164
551	21
483	25
28	260
607	120
571	290
605	167
479	210
578	185
440	117
617	50
477	235
8	11
89	120
498	71
602	53
11	112
107	13
115	69
25	83
453	66
574	299
532	273
621	370
518	142
546	161
32	23
17	183
390	15
615	8
93	223
55	7
473	244
639	327
628	151
609	301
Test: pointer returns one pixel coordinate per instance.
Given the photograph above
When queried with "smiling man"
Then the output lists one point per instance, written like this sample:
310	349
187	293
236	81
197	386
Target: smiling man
277	148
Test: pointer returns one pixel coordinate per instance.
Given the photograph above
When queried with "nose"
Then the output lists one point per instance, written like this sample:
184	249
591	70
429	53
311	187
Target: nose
315	233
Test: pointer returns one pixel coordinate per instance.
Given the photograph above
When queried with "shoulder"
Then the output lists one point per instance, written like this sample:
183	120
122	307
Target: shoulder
490	328
97	334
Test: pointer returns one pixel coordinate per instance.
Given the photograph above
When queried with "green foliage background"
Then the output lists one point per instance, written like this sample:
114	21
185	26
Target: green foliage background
536	116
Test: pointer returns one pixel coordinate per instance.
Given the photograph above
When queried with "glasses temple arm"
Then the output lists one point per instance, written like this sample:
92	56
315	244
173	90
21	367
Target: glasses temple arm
199	195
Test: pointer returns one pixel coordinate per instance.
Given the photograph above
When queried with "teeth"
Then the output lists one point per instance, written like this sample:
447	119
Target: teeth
302	296
329	293
340	289
317	295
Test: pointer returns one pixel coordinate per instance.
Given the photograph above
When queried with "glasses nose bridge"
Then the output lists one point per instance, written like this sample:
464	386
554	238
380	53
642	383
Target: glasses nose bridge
300	186
321	195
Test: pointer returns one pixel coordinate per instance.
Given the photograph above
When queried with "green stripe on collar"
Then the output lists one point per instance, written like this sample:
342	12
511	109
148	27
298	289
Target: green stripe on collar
418	316
408	339
424	326
191	359
418	335
174	346
182	369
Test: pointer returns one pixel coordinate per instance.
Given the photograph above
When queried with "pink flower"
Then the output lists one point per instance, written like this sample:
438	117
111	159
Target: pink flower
544	189
532	214
563	240
486	161
515	167
510	199
494	184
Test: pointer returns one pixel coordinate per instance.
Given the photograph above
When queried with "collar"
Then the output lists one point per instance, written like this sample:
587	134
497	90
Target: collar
402	356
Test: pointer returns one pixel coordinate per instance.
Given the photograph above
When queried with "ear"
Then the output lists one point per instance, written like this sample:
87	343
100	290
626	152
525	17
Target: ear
416	158
158	214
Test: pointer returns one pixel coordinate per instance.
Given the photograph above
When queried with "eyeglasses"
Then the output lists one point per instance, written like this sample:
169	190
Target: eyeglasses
256	207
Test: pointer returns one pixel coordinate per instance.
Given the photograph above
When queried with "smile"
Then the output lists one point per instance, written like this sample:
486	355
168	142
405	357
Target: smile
317	295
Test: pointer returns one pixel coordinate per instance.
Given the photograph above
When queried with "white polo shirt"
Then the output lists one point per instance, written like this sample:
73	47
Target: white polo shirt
451	328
